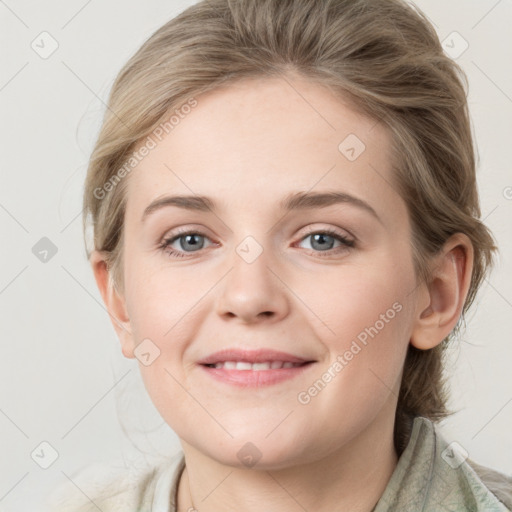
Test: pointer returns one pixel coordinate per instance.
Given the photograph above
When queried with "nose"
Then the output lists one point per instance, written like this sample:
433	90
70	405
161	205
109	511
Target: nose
253	292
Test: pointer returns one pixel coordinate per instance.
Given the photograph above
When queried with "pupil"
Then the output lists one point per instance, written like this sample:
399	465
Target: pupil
189	239
320	237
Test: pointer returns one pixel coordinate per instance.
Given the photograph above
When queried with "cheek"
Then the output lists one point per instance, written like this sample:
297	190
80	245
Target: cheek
366	318
159	299
358	302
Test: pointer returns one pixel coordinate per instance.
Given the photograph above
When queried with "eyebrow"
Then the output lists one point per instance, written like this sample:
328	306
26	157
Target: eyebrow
295	201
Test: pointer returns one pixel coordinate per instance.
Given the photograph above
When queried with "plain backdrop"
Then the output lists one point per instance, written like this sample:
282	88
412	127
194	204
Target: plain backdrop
64	380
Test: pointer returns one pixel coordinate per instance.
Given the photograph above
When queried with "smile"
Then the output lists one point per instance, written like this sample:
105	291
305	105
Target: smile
245	365
253	375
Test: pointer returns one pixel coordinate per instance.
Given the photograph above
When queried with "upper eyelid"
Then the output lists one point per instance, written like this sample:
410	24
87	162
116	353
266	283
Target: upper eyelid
337	231
310	230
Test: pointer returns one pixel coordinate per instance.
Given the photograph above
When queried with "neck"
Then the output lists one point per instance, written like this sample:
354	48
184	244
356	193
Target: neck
352	477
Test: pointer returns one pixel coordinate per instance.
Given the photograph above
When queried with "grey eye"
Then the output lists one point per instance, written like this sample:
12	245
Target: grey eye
191	242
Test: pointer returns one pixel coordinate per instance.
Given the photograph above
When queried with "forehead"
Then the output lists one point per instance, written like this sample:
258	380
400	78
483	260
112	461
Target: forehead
264	138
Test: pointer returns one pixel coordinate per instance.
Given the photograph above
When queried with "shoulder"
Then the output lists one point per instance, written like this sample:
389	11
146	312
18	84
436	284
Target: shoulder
433	475
479	487
496	482
115	486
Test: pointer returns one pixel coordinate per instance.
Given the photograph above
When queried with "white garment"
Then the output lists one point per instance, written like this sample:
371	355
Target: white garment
120	487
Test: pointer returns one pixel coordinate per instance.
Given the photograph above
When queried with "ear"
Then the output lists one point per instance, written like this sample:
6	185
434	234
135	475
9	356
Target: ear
441	304
114	302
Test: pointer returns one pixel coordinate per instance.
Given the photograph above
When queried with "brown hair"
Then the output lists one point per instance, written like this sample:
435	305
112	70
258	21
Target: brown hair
384	56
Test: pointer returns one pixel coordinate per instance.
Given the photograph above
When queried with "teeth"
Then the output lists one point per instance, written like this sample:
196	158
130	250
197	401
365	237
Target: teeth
241	365
244	365
260	366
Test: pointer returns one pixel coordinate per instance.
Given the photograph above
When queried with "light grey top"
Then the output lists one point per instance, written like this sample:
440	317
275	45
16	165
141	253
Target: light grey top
431	476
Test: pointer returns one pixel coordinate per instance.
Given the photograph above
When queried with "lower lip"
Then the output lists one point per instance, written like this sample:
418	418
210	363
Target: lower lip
255	378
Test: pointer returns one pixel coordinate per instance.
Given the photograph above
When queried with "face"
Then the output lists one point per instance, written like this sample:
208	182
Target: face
312	301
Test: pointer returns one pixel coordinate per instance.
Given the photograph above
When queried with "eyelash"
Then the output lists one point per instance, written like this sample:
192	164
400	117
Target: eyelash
347	243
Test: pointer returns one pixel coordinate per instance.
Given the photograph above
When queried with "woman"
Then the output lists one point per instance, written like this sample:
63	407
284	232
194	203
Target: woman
286	237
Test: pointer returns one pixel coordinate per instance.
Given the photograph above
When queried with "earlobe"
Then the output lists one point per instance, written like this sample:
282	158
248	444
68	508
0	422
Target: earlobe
443	301
114	302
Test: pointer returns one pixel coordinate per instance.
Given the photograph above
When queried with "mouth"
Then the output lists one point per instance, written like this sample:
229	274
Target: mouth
247	365
254	368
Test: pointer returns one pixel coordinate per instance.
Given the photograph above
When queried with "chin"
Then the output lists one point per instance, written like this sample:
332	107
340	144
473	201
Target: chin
256	452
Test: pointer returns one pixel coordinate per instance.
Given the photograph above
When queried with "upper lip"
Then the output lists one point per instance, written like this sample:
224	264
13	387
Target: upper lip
251	356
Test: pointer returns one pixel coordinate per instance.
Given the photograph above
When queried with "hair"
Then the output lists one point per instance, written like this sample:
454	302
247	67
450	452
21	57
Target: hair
385	57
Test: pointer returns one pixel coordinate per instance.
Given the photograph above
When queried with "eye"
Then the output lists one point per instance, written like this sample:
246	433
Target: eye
324	239
186	240
193	241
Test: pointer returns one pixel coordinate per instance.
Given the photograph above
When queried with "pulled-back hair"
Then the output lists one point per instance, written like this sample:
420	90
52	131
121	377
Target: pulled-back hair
384	57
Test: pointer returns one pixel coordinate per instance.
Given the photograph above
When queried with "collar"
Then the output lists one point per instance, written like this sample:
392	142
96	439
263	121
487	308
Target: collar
432	475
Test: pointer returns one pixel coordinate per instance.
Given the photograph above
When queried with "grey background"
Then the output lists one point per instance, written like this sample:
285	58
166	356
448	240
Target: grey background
64	379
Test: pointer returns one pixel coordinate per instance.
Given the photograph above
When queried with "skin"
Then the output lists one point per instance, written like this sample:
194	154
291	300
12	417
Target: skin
247	146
